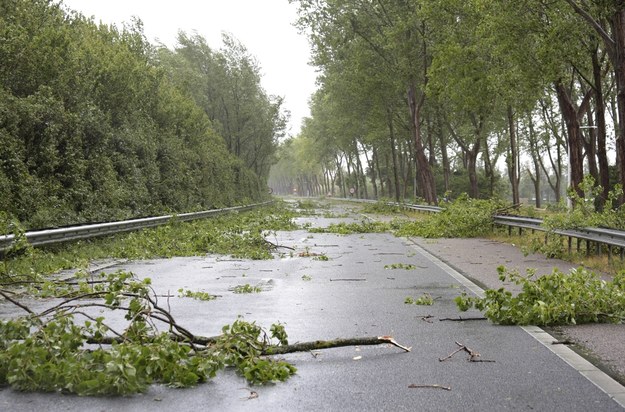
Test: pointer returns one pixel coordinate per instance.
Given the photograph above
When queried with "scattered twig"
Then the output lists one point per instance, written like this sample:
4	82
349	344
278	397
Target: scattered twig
433	386
426	318
461	319
473	355
349	280
16	303
252	395
276	246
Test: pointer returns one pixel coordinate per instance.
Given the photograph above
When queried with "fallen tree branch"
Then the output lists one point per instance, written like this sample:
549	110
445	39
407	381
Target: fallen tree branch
349	280
461	319
426	318
335	343
275	350
473	355
433	386
16	303
276	246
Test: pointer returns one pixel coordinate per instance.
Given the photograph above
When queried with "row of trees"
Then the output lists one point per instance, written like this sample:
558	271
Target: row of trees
431	93
96	123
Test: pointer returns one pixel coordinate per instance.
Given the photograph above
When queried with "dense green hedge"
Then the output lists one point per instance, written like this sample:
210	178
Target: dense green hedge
94	127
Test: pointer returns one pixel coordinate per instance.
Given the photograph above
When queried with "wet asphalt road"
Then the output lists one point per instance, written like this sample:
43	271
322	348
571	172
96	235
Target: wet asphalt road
350	295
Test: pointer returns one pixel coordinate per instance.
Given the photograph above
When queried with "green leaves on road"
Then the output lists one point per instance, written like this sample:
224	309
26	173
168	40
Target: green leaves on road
554	299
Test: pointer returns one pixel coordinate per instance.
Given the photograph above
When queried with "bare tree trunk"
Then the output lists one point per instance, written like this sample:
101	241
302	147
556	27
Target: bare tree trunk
571	116
376	161
472	154
513	160
443	146
422	167
371	165
535	154
614	41
391	131
602	156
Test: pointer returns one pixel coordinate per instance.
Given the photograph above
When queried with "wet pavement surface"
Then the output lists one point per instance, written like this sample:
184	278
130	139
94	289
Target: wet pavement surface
352	294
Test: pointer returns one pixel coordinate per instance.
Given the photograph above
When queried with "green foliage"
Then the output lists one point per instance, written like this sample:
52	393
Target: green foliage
405	266
352	228
553	299
241	235
199	295
306	278
48	352
425	300
582	215
279	332
246	288
307	204
382	207
464	217
241	345
102	126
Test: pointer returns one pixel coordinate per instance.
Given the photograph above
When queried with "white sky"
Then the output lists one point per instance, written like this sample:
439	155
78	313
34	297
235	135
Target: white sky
263	26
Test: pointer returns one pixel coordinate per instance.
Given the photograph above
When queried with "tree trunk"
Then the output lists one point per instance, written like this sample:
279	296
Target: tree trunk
618	28
615	46
391	131
535	154
472	154
444	155
371	166
376	161
602	156
513	161
422	167
574	144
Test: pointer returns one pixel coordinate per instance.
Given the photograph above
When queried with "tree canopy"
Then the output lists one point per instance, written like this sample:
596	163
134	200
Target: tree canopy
442	96
96	123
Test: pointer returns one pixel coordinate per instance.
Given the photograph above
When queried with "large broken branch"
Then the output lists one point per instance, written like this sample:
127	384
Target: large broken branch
335	343
276	350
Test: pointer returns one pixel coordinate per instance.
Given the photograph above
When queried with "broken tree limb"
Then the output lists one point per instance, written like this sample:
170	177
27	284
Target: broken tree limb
473	355
277	350
349	280
461	319
433	386
335	343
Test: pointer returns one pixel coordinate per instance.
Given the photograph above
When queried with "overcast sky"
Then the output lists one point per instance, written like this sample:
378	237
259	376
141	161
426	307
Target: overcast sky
263	26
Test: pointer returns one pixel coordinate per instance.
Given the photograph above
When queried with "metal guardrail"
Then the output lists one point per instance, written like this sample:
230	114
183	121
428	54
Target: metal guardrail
419	208
599	236
44	237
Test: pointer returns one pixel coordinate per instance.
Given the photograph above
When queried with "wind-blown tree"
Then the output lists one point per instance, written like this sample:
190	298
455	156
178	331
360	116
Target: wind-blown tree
226	84
607	19
93	128
341	29
485	75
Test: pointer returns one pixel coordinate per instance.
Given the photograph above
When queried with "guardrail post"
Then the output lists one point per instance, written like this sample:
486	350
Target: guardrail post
570	243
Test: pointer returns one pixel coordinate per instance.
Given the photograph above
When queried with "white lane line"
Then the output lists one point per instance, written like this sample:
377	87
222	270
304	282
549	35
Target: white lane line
599	378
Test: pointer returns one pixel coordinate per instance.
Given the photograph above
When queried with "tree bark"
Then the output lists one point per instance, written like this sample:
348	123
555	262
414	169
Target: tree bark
571	118
513	161
422	167
602	156
618	28
391	131
615	46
